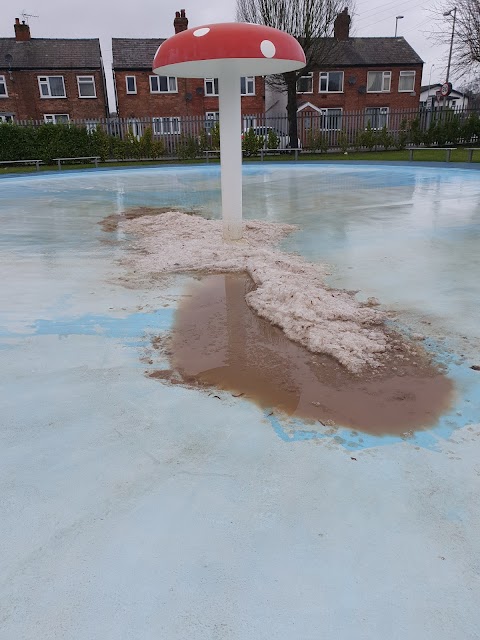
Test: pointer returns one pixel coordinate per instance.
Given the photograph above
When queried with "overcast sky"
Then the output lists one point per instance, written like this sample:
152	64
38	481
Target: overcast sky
105	19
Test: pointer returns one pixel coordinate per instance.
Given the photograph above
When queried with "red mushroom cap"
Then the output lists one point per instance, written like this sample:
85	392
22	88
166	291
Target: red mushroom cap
248	49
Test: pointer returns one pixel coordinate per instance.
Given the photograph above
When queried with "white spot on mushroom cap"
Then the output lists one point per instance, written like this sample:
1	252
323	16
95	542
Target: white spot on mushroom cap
201	32
267	48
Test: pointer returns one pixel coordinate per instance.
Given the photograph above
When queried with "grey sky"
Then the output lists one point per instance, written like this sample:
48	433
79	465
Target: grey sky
150	19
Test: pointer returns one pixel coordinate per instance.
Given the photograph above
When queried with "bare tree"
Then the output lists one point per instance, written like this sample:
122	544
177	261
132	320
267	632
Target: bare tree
472	91
311	22
466	43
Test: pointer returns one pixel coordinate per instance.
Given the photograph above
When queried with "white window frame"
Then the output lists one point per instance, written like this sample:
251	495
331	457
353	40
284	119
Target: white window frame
214	86
327	74
386	75
135	127
404	73
310	77
7	117
134	84
3	81
211	118
249	122
52	117
382	112
326	116
157	80
45	80
248	80
86	80
159	125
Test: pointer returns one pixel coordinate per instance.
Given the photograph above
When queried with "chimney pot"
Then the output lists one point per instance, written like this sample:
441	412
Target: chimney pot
22	31
341	26
181	21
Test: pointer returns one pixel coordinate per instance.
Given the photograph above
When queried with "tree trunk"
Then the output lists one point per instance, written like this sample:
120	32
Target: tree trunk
291	82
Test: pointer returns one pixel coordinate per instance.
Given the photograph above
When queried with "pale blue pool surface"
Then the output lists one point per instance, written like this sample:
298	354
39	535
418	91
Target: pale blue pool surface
130	509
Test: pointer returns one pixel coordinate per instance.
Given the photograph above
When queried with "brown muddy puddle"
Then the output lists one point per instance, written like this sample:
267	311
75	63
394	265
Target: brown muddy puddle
219	342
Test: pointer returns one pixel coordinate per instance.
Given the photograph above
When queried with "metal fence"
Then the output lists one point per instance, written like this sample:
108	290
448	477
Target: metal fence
329	128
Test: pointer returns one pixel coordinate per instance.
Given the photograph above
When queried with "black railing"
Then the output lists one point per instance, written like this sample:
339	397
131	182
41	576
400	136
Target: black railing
327	129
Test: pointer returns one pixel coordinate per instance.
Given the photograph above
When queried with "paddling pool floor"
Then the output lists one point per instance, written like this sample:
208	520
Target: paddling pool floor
132	509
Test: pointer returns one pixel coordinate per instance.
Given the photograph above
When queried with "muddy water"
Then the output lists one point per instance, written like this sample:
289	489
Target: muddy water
219	342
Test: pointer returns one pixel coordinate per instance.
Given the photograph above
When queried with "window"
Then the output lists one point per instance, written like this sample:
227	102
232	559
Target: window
51	87
3	87
379	81
331	119
305	84
377	117
331	82
131	83
324	119
166	125
211	86
6	117
86	87
247	86
406	81
249	122
211	118
135	127
56	118
163	84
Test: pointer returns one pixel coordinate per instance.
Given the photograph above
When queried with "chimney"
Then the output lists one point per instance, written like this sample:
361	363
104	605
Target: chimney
341	26
181	21
22	31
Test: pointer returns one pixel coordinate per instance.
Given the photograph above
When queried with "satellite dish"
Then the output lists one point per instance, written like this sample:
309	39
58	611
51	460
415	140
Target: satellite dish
199	91
188	97
362	89
352	80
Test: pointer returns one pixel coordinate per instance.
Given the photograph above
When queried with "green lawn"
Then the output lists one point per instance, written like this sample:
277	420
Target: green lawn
424	155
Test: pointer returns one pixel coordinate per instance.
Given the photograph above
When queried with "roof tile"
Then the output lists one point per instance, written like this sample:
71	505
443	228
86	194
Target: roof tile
134	53
370	52
138	53
46	53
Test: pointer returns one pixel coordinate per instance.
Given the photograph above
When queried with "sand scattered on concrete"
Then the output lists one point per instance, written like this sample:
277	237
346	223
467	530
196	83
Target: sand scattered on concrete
290	292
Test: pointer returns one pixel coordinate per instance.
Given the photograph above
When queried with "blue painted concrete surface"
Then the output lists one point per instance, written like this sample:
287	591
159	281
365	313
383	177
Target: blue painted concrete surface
130	509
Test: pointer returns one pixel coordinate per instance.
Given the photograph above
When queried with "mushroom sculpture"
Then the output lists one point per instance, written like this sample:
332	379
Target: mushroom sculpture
228	51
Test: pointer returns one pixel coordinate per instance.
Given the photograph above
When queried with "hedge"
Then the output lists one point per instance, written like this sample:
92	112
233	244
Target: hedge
50	141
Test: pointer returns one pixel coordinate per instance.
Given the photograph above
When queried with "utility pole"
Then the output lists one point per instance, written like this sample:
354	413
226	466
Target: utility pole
449	13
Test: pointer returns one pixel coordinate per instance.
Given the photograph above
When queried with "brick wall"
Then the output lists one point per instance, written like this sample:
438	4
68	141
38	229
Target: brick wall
25	103
145	104
353	100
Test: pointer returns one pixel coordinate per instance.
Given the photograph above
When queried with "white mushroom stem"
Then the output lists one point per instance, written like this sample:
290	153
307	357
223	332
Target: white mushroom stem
231	154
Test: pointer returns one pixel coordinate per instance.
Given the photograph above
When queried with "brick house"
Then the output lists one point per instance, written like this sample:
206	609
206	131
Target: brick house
54	80
369	76
140	94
